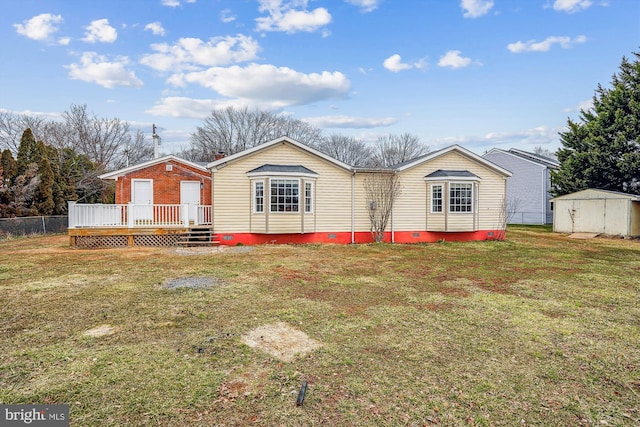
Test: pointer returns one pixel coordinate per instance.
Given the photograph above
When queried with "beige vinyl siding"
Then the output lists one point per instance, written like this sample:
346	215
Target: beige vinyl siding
413	206
362	221
233	193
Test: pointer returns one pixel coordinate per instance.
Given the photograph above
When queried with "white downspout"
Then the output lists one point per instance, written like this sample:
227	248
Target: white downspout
353	207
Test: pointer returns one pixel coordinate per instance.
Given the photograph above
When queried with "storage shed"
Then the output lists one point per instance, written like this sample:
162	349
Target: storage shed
597	211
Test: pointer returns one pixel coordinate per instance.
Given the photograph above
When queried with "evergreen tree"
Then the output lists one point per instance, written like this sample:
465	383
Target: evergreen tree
602	150
43	202
9	167
26	152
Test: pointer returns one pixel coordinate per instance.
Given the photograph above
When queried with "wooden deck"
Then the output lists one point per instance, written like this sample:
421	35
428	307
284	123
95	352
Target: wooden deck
110	237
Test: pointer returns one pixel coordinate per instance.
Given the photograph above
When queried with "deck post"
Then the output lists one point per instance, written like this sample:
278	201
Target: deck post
184	210
131	222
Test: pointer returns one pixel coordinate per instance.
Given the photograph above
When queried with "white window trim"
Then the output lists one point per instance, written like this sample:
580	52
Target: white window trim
255	204
473	201
311	197
442	195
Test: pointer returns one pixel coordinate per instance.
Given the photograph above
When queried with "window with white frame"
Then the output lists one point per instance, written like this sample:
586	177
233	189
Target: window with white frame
284	195
258	200
436	198
308	197
460	197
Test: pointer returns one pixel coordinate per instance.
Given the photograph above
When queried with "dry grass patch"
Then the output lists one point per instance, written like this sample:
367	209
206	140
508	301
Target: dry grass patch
537	330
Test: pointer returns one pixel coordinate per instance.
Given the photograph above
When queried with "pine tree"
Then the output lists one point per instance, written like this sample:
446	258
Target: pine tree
26	152
602	150
43	196
9	167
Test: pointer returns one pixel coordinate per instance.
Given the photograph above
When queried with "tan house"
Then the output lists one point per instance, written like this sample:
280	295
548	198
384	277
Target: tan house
283	191
597	211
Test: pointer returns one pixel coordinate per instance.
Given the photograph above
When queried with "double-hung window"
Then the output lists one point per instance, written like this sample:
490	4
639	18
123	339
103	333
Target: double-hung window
460	197
258	205
285	195
436	198
308	197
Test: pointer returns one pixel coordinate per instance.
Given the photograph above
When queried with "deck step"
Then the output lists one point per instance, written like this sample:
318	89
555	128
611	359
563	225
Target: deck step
198	236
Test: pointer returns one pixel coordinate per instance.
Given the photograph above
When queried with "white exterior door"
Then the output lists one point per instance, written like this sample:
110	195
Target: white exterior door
142	198
190	195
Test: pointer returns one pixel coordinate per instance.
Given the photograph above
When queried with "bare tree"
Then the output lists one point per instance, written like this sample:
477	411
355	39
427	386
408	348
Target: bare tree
349	150
12	125
541	151
393	149
235	129
382	188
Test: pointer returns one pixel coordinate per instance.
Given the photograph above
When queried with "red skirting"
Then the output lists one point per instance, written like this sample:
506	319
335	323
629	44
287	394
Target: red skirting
344	237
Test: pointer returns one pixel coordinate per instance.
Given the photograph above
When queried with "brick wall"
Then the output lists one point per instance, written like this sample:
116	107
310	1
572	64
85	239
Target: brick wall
166	184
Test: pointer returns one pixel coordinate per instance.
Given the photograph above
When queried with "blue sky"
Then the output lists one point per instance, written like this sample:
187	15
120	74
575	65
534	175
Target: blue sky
479	73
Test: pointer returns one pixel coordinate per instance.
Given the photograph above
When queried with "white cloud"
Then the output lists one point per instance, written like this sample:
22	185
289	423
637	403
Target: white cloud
475	8
583	105
94	68
227	16
453	59
541	135
268	86
175	3
394	64
283	16
156	28
543	46
571	6
64	41
350	122
100	31
192	53
40	27
365	5
183	107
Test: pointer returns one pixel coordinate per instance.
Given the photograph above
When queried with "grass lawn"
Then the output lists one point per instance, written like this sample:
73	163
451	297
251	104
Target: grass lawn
537	330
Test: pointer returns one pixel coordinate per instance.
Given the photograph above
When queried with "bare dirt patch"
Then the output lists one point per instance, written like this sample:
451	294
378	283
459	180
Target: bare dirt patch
100	331
280	341
193	283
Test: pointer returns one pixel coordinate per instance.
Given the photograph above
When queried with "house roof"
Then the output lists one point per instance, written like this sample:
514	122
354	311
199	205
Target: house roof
121	172
282	140
463	151
525	155
595	193
283	168
451	174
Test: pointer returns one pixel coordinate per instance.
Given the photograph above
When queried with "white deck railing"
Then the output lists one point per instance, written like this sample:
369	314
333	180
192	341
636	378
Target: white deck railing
134	216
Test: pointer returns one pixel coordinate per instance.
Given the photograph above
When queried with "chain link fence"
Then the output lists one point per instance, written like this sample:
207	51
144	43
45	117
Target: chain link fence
33	225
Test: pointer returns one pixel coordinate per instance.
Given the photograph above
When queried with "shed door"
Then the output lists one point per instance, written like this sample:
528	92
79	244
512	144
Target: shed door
190	195
142	198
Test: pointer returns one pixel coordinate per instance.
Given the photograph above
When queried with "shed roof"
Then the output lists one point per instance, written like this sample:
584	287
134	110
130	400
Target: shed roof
595	193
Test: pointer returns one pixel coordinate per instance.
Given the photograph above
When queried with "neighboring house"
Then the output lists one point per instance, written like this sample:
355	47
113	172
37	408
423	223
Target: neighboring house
597	211
283	191
528	198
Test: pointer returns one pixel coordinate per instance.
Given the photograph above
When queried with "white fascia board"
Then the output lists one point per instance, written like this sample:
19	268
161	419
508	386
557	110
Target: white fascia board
215	165
121	172
462	151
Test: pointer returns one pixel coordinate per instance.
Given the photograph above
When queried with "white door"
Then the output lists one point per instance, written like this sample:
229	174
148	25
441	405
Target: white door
142	198
190	195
